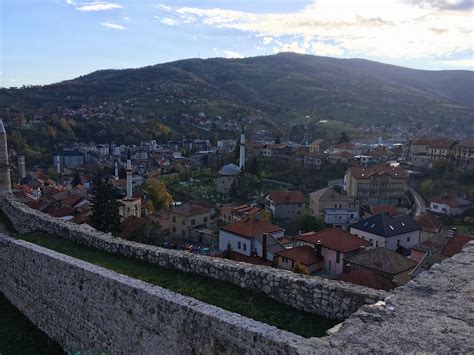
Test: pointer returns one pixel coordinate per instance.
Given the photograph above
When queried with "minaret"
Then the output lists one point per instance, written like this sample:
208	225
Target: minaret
129	176
116	176
242	151
5	182
21	166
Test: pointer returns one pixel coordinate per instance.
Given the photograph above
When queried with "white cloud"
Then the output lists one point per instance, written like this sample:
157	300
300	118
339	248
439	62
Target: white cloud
71	2
267	40
168	21
468	63
126	18
98	6
166	8
232	54
113	25
383	28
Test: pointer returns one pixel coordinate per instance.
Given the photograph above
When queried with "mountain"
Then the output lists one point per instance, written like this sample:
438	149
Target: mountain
283	90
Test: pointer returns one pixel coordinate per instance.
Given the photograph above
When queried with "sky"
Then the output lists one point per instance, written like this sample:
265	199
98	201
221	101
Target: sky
46	41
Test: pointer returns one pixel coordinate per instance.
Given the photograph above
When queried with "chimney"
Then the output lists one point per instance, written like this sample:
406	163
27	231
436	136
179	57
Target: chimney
264	246
317	247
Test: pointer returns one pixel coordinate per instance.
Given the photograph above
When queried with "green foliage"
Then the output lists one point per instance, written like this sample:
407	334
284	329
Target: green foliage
245	186
427	188
228	252
343	138
105	209
158	194
298	268
148	233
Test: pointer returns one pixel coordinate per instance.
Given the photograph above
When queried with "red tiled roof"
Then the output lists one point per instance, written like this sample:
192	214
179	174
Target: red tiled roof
58	211
422	141
391	210
251	228
304	254
283	240
367	278
71	200
455	244
256	260
467	144
189	210
441	143
335	239
130	225
349	146
346	155
451	201
364	173
286	197
429	223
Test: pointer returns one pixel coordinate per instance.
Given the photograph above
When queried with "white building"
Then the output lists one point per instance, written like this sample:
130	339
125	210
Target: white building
449	205
340	216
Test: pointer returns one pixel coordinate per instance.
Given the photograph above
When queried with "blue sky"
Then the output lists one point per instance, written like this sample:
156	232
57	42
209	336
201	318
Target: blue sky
45	41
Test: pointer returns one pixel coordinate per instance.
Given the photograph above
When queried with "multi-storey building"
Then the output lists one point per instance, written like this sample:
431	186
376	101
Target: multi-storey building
464	154
441	149
376	185
187	217
285	204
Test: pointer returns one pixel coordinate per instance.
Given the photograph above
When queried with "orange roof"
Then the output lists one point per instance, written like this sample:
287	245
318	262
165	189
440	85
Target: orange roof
71	200
367	278
189	210
335	239
251	228
451	201
467	144
391	210
304	254
429	223
441	143
379	170
256	260
349	146
455	244
286	197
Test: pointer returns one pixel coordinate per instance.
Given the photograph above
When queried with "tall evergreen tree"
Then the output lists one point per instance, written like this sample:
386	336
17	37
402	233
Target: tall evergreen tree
76	179
105	211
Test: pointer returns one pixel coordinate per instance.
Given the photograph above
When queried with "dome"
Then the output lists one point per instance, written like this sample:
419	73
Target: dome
230	169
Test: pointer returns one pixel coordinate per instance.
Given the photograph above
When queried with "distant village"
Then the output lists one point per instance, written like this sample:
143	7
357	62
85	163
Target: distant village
369	227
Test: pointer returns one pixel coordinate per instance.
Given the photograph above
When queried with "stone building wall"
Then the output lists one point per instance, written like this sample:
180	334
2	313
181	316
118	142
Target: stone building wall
329	298
90	309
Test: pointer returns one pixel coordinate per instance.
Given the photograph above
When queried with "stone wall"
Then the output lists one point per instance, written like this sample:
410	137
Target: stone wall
332	299
91	309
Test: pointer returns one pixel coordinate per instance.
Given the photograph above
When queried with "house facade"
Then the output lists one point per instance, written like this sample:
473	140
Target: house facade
376	185
449	205
340	216
441	149
187	217
309	259
393	233
285	204
317	146
464	154
323	199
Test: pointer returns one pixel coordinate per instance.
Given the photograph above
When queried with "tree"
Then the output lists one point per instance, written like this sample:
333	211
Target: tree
298	268
76	179
105	209
228	252
343	138
158	194
427	188
254	166
277	140
148	233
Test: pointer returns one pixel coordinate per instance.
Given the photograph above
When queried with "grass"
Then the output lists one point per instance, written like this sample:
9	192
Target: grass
249	303
19	336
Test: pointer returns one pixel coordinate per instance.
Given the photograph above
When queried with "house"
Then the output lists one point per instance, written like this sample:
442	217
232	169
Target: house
313	161
386	263
276	150
307	258
317	146
329	198
351	148
227	178
438	248
186	217
449	205
284	204
464	154
336	246
376	185
367	278
393	233
418	146
381	154
421	160
341	158
340	216
252	238
441	149
430	225
390	210
233	213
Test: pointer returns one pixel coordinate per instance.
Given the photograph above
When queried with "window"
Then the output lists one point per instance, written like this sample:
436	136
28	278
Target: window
338	257
245	247
408	239
183	233
174	218
205	219
398	242
239	245
183	222
193	222
329	266
174	229
376	243
371	241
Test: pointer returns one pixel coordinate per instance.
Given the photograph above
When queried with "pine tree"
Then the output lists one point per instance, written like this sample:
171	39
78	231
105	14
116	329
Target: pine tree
105	211
77	179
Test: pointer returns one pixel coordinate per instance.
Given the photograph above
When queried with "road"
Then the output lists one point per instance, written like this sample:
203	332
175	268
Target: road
420	205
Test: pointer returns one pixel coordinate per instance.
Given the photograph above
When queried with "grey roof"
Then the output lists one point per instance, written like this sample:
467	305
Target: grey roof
328	193
387	226
230	169
382	259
